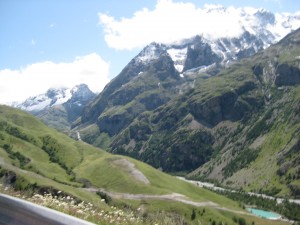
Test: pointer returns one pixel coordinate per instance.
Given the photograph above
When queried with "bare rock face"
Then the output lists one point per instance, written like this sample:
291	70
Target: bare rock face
227	106
287	75
112	124
200	54
147	82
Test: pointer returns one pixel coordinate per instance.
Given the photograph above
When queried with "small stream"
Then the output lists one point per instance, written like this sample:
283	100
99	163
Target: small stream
78	136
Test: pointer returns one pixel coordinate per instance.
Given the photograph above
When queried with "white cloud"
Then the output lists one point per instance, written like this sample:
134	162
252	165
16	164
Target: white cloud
168	22
16	85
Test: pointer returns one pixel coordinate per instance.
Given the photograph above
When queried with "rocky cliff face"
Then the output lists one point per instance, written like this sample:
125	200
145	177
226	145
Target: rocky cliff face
81	97
147	82
287	75
199	53
230	106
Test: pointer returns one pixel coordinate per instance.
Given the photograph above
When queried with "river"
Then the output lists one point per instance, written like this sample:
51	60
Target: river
216	188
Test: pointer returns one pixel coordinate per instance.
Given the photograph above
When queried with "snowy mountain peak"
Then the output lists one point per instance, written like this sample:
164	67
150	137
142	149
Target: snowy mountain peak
265	17
81	88
55	96
52	92
81	93
200	52
223	35
217	21
250	31
151	52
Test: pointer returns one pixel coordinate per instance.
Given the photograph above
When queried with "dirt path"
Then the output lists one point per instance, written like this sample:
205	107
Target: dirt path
132	170
169	197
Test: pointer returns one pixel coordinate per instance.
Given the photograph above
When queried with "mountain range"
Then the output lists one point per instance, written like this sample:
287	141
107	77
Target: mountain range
213	108
209	108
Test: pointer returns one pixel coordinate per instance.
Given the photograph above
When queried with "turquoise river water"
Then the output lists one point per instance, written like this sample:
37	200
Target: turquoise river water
264	214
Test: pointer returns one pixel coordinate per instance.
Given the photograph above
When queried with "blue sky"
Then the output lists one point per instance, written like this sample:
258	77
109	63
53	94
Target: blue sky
63	34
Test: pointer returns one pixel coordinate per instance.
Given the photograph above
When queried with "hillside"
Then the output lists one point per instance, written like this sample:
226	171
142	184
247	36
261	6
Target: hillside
228	125
231	124
271	133
38	159
162	71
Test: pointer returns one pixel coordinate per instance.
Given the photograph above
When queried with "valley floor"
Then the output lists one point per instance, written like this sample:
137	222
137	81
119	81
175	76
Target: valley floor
216	188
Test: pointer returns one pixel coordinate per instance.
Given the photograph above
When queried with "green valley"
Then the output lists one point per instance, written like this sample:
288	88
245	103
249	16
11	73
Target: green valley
37	159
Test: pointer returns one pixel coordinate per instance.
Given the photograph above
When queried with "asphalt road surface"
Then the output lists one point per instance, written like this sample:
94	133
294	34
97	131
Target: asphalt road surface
14	211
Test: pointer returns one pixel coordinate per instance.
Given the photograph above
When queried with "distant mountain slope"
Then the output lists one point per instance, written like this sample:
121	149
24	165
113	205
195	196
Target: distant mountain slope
161	72
231	124
221	123
59	107
154	77
255	29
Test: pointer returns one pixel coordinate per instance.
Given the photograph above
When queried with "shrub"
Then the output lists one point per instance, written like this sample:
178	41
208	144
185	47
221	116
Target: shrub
104	196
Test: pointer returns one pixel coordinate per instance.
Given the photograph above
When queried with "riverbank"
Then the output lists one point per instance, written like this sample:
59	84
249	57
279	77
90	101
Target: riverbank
287	210
216	188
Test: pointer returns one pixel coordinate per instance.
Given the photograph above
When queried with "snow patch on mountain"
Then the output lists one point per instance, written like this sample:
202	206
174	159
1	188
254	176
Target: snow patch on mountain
246	19
261	28
253	30
53	97
183	20
284	24
178	56
151	52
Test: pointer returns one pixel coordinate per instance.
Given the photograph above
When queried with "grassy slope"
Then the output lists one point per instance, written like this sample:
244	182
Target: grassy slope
272	130
90	163
282	136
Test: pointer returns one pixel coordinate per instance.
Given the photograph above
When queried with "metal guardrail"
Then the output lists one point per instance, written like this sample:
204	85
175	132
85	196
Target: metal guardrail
14	211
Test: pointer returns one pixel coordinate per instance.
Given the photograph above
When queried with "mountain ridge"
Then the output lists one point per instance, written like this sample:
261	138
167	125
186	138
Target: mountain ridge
199	53
206	114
